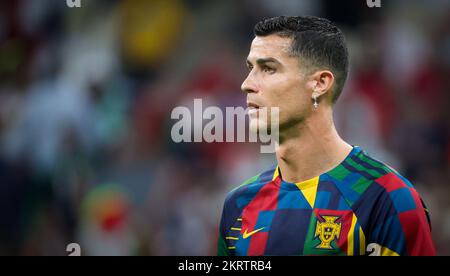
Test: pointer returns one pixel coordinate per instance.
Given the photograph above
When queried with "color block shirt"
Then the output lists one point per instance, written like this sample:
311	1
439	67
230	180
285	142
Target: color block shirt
361	207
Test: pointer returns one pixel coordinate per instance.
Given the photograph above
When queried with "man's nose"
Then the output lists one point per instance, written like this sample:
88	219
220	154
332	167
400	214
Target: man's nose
248	86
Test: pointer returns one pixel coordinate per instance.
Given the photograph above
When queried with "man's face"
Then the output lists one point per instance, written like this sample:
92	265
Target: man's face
275	79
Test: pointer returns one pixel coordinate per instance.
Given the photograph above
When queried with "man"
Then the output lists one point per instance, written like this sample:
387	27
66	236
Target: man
325	197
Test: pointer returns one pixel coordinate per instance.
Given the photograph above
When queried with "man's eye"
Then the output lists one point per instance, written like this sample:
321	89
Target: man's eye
268	70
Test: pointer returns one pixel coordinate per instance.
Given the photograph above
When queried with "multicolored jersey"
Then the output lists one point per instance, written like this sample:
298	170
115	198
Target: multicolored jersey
361	207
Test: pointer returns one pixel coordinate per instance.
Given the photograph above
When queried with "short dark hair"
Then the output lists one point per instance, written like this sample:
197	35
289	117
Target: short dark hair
317	40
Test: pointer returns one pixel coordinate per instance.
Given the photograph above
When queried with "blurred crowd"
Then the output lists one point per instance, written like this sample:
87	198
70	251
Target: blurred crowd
86	96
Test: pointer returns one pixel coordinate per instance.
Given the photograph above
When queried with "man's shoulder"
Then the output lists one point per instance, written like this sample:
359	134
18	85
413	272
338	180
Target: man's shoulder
390	196
381	181
361	178
379	172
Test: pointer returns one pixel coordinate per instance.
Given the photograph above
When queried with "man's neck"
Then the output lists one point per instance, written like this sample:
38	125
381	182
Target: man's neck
310	148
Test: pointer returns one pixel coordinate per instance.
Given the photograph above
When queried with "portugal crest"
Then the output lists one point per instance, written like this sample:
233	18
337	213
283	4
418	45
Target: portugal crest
327	231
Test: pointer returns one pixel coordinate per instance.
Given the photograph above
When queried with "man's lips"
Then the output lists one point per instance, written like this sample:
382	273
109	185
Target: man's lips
252	105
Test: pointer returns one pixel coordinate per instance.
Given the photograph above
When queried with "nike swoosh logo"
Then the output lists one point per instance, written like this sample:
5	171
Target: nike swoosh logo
246	235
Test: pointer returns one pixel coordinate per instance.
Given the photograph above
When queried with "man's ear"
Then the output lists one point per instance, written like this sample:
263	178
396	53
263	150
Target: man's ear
323	83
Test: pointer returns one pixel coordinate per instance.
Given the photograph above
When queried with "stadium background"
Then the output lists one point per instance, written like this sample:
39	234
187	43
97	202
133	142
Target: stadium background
86	95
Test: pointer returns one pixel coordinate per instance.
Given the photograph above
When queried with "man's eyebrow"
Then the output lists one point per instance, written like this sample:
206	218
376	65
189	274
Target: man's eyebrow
262	61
